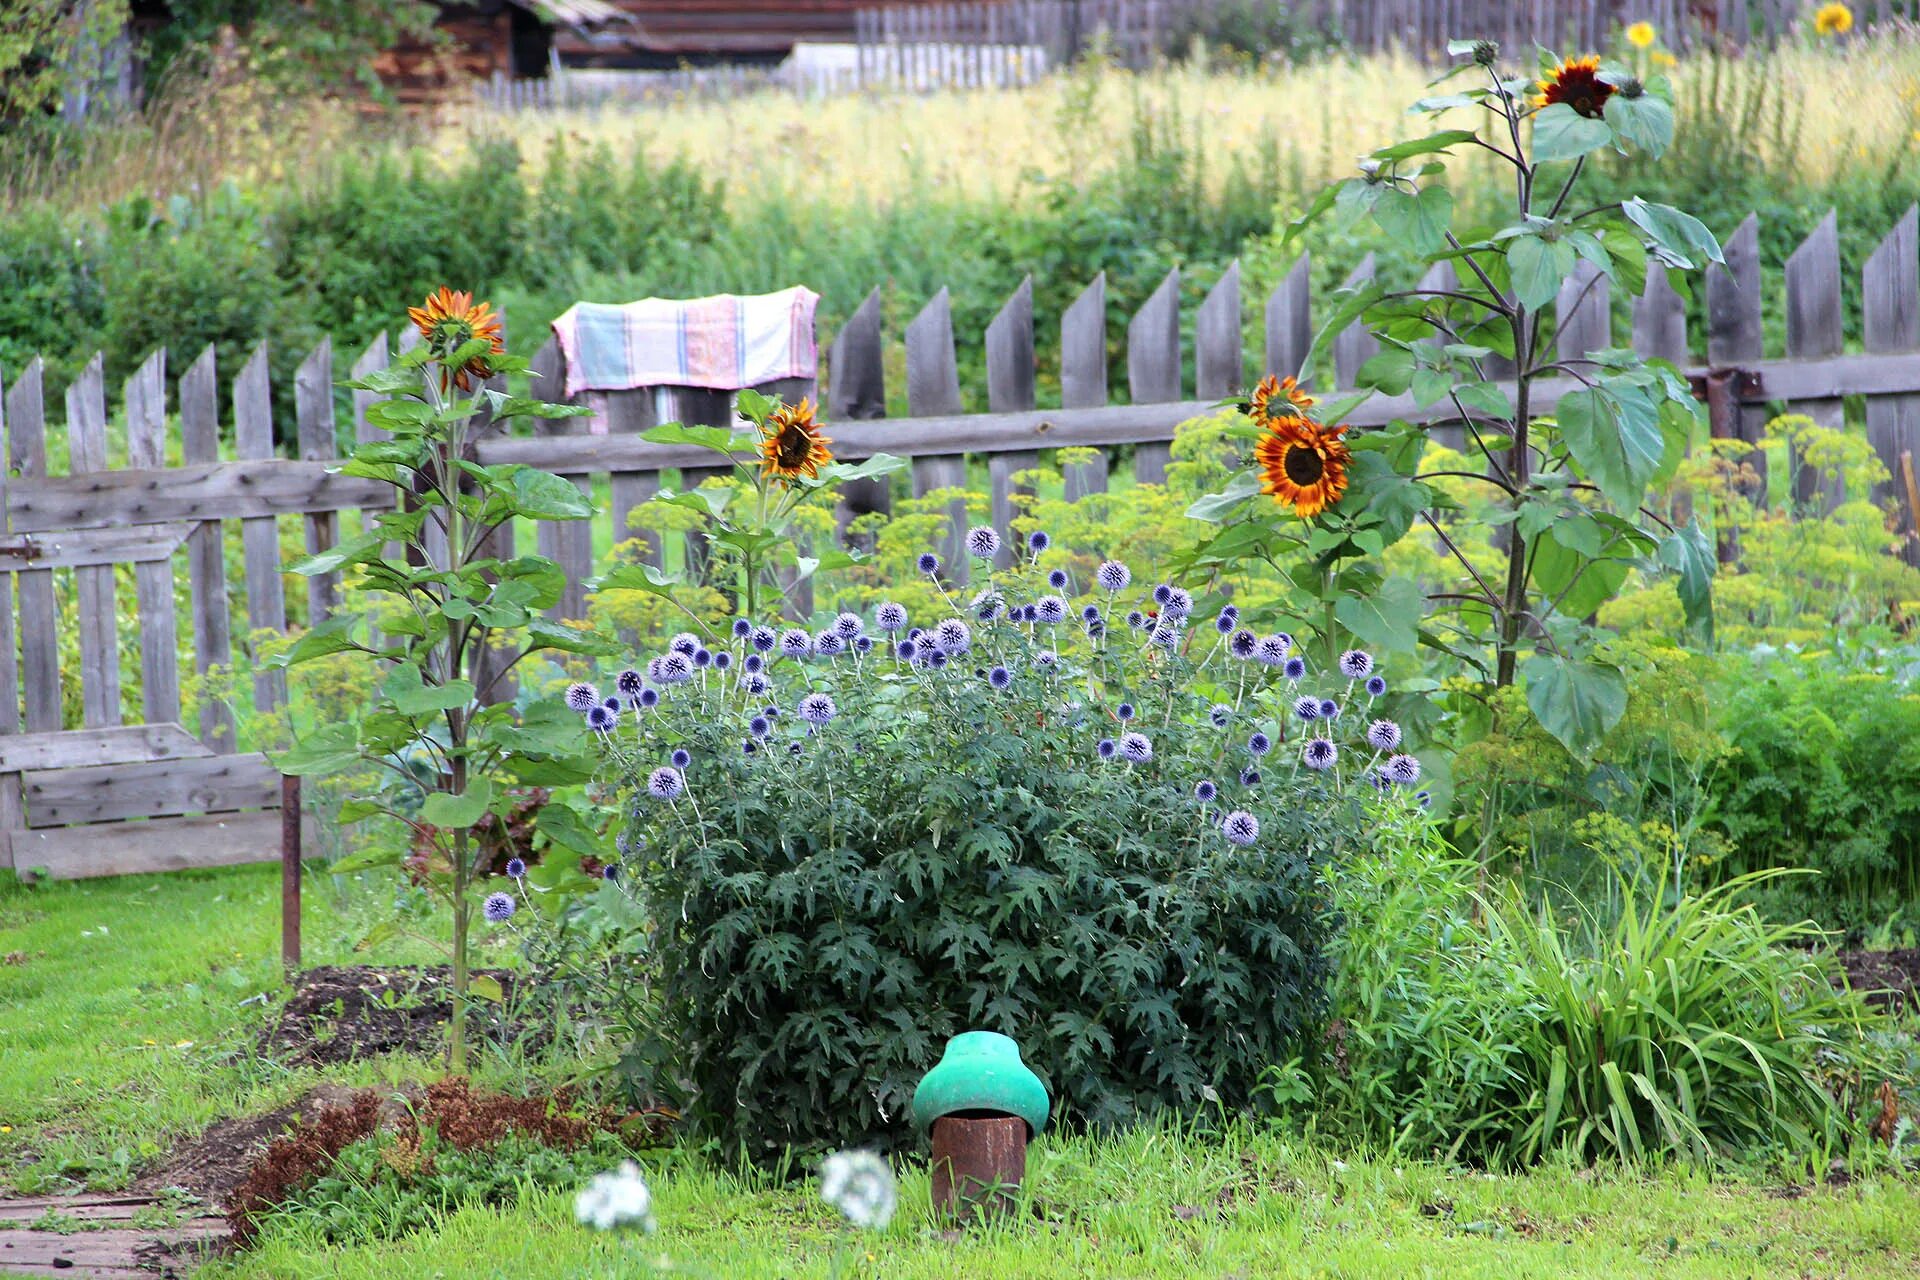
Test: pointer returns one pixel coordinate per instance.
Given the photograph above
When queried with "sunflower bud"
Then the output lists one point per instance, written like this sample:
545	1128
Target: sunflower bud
1630	87
1486	52
1370	169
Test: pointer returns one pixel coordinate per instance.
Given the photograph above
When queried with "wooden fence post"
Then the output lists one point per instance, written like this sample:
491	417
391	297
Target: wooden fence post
1814	328
313	417
1890	305
1153	368
1083	377
857	391
146	405
260	535
39	611
99	636
1010	387
933	389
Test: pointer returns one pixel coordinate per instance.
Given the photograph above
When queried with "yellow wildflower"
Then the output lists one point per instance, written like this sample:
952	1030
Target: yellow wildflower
1641	35
1833	19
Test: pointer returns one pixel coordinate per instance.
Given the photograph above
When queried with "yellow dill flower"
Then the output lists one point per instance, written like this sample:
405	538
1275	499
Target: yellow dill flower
1641	35
1661	58
1833	19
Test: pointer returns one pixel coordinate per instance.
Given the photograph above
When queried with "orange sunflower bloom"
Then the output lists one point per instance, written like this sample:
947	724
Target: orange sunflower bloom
1577	83
1302	465
1274	393
793	446
448	320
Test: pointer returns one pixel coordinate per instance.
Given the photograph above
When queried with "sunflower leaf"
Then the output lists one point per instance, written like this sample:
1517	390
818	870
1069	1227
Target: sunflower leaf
1643	121
1577	702
1561	133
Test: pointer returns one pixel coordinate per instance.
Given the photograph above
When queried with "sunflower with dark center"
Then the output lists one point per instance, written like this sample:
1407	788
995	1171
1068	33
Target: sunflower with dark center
793	446
450	319
1577	83
1302	465
1276	397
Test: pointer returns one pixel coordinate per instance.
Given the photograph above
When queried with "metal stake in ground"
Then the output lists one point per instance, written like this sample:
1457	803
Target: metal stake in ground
289	873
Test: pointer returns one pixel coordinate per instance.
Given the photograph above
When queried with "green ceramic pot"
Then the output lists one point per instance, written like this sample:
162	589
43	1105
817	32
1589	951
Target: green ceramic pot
981	1071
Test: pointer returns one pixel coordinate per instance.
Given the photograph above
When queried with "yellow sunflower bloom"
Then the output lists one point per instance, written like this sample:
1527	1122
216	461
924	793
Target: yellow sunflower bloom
1577	83
448	320
1276	397
792	445
1303	466
1833	20
1641	35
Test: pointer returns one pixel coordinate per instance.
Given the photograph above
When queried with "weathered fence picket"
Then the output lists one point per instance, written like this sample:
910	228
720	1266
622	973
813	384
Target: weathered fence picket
260	534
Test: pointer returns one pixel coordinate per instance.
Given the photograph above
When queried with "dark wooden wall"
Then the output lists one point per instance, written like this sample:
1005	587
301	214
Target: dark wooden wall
676	31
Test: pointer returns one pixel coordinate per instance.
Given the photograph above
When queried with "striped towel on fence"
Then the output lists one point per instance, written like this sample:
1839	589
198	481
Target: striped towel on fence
723	343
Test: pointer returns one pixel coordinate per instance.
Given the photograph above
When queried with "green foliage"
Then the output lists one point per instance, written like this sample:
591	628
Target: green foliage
51	48
294	46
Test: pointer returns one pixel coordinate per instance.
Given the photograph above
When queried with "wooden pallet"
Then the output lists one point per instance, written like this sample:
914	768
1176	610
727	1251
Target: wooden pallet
108	1246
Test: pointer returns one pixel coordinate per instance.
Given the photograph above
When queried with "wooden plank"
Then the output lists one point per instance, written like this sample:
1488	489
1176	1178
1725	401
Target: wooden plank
313	417
257	489
370	361
162	844
1735	332
1583	315
1890	322
1290	320
93	585
857	391
933	388
81	548
630	413
1010	388
1355	345
1815	328
260	535
702	407
1083	378
1218	369
108	1252
206	552
39	611
1153	367
1660	320
109	793
12	805
568	543
146	404
81	748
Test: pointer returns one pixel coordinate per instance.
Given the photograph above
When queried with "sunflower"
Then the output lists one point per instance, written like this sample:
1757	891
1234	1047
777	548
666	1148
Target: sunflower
1271	391
1302	465
793	445
1833	20
448	320
1577	83
1641	35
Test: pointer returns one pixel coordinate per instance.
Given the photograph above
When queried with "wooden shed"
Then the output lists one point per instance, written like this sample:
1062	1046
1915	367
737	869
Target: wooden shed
670	33
499	39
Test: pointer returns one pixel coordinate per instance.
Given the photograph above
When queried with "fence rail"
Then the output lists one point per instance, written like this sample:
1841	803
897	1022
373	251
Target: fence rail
91	743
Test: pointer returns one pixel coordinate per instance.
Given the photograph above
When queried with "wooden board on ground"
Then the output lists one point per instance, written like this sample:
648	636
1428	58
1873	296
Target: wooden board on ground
111	793
162	844
78	748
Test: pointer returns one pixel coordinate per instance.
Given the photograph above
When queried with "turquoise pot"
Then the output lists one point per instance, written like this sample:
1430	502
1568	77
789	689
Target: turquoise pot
981	1071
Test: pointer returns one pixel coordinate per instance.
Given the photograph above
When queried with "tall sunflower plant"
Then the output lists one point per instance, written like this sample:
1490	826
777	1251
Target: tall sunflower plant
462	614
1568	444
779	458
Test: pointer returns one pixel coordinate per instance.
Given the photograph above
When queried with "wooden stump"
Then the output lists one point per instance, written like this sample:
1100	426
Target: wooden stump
979	1162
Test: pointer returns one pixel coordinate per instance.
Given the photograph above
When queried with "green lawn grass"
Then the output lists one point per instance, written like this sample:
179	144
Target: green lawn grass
129	1010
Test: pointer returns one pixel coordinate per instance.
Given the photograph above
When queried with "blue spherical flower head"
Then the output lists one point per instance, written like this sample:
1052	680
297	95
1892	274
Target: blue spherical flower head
629	683
759	726
1403	769
1095	628
848	625
828	644
1204	791
1329	709
1124	712
499	907
764	639
817	709
928	563
1294	669
1179	602
1356	664
754	684
1038	541
953	636
516	868
987	604
1106	748
722	660
1383	735
685	642
999	677
1231	611
1243	644
752	662
748	747
1136	747
666	783
649	697
890	617
1136	619
1219	714
703	657
1225	623
1112	576
1057	579
582	697
1307	708
675	668
612	704
795	643
1240	827
681	757
610	872
1425	798
1319	753
793	748
937	659
1259	744
1165	633
1050	609
770	711
1249	777
1046	659
1376	685
862	644
1271	651
1162	593
602	719
742	628
1088	612
1378	779
982	542
906	650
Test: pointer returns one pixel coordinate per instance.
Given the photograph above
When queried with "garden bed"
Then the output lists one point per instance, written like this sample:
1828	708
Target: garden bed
1890	979
340	1013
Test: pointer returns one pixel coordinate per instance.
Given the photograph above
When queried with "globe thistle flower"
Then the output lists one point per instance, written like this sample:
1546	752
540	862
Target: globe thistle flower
615	1200
742	628
860	1185
987	604
1136	619
753	684
1038	541
1136	747
649	697
1050	609
602	719
749	747
1240	827
1403	769
499	907
1165	633
1271	651
1225	623
906	650
582	697
928	563
1057	579
1046	659
828	643
982	542
770	711
999	677
817	709
1205	791
1249	777
1294	669
890	617
722	660
703	657
937	659
795	643
1088	612
1095	628
793	748
1179	602
1124	712
1106	748
1112	576
1378	779
516	868
848	625
953	636
764	639
1383	735
666	783
759	726
1356	664
681	757
1376	685
1425	798
610	873
1259	744
1230	611
1162	593
1307	708
675	668
1329	709
612	704
629	683
1219	714
685	642
862	644
1243	644
1319	753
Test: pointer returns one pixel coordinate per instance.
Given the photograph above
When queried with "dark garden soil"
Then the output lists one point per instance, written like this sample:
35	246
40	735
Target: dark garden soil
211	1165
1890	979
338	1013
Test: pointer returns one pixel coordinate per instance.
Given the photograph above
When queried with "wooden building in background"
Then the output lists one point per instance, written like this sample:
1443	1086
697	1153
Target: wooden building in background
500	39
671	33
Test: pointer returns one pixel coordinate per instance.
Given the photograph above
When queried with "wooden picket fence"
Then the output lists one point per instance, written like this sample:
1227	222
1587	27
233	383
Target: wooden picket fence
105	782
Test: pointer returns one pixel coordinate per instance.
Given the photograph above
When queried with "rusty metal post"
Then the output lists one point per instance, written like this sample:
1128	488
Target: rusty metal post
978	1164
289	873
